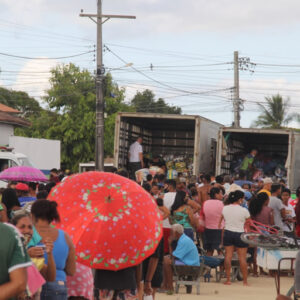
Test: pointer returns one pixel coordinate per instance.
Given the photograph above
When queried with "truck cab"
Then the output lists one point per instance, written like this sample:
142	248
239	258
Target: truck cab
9	159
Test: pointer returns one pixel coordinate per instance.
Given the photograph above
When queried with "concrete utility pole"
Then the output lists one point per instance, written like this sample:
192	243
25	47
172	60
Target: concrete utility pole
99	82
236	98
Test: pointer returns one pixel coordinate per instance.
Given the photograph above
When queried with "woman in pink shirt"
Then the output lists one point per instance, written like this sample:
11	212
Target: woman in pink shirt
212	210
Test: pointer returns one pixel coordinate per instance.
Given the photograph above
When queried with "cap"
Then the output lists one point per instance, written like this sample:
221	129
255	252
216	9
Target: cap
22	187
234	187
267	180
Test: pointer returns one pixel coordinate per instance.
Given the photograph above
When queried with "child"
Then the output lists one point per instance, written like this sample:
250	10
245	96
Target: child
288	225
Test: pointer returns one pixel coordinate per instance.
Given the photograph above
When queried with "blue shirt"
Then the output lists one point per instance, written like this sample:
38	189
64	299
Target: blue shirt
242	182
25	199
186	251
60	253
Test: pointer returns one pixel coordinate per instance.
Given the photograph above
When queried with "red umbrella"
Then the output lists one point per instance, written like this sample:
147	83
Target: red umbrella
113	222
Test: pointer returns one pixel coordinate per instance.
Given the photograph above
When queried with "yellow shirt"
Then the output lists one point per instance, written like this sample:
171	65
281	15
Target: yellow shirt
265	191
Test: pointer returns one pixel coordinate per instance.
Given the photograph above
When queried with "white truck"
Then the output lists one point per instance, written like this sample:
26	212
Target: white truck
168	135
44	154
9	158
275	145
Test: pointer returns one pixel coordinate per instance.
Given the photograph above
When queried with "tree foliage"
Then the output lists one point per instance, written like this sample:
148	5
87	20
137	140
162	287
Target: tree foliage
71	114
274	114
145	102
68	112
21	101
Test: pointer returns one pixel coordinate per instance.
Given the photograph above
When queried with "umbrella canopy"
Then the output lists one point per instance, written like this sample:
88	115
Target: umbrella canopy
23	173
113	222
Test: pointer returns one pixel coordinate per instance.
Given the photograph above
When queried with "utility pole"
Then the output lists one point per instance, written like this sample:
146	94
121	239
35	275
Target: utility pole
243	64
236	98
99	141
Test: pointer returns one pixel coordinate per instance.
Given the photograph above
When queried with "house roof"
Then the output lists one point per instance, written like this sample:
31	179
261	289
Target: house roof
7	109
8	118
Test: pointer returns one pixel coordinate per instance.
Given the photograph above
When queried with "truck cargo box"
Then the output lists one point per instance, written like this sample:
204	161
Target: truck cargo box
166	135
283	146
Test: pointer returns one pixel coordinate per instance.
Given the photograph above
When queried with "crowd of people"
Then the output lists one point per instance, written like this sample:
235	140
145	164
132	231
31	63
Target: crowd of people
205	212
215	211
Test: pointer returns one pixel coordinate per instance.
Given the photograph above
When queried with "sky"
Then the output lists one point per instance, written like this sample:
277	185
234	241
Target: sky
181	49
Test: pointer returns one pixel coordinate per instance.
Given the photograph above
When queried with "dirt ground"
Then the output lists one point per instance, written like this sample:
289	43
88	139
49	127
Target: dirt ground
260	288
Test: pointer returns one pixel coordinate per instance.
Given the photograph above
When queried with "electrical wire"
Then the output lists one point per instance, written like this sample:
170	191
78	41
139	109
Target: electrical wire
43	58
149	77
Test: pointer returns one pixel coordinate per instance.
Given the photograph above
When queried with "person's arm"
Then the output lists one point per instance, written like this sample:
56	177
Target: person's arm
49	270
271	218
3	213
192	218
220	221
15	286
35	252
247	224
282	212
195	206
165	212
141	158
200	197
70	268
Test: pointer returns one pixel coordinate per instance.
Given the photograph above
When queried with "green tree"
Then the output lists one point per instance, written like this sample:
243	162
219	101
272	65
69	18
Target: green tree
145	102
274	114
21	101
70	116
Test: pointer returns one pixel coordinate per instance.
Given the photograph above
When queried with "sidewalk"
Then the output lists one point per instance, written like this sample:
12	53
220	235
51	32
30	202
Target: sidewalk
260	288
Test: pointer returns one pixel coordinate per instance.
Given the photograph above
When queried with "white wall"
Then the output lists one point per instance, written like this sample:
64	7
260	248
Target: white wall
44	154
5	132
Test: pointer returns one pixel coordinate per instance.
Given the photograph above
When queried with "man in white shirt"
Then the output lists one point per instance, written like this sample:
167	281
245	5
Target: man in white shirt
135	156
169	199
277	205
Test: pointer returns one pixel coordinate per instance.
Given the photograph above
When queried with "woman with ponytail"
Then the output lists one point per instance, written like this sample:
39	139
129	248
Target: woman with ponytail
44	212
235	218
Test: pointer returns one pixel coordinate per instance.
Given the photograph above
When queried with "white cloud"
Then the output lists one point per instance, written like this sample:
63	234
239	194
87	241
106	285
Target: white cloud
159	16
208	15
33	78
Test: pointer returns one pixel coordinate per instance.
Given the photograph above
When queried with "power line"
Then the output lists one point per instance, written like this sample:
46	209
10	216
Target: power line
277	65
169	53
56	34
46	58
157	81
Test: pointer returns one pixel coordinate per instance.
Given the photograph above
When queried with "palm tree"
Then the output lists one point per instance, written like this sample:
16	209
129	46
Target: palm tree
274	114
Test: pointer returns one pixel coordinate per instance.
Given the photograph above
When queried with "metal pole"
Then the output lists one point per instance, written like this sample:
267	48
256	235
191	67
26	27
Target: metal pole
99	94
236	100
99	138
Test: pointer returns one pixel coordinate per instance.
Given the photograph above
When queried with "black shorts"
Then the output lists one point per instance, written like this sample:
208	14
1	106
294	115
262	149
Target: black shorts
232	238
212	239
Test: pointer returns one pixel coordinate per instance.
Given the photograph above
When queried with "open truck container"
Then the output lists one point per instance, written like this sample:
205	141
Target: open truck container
165	134
273	142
